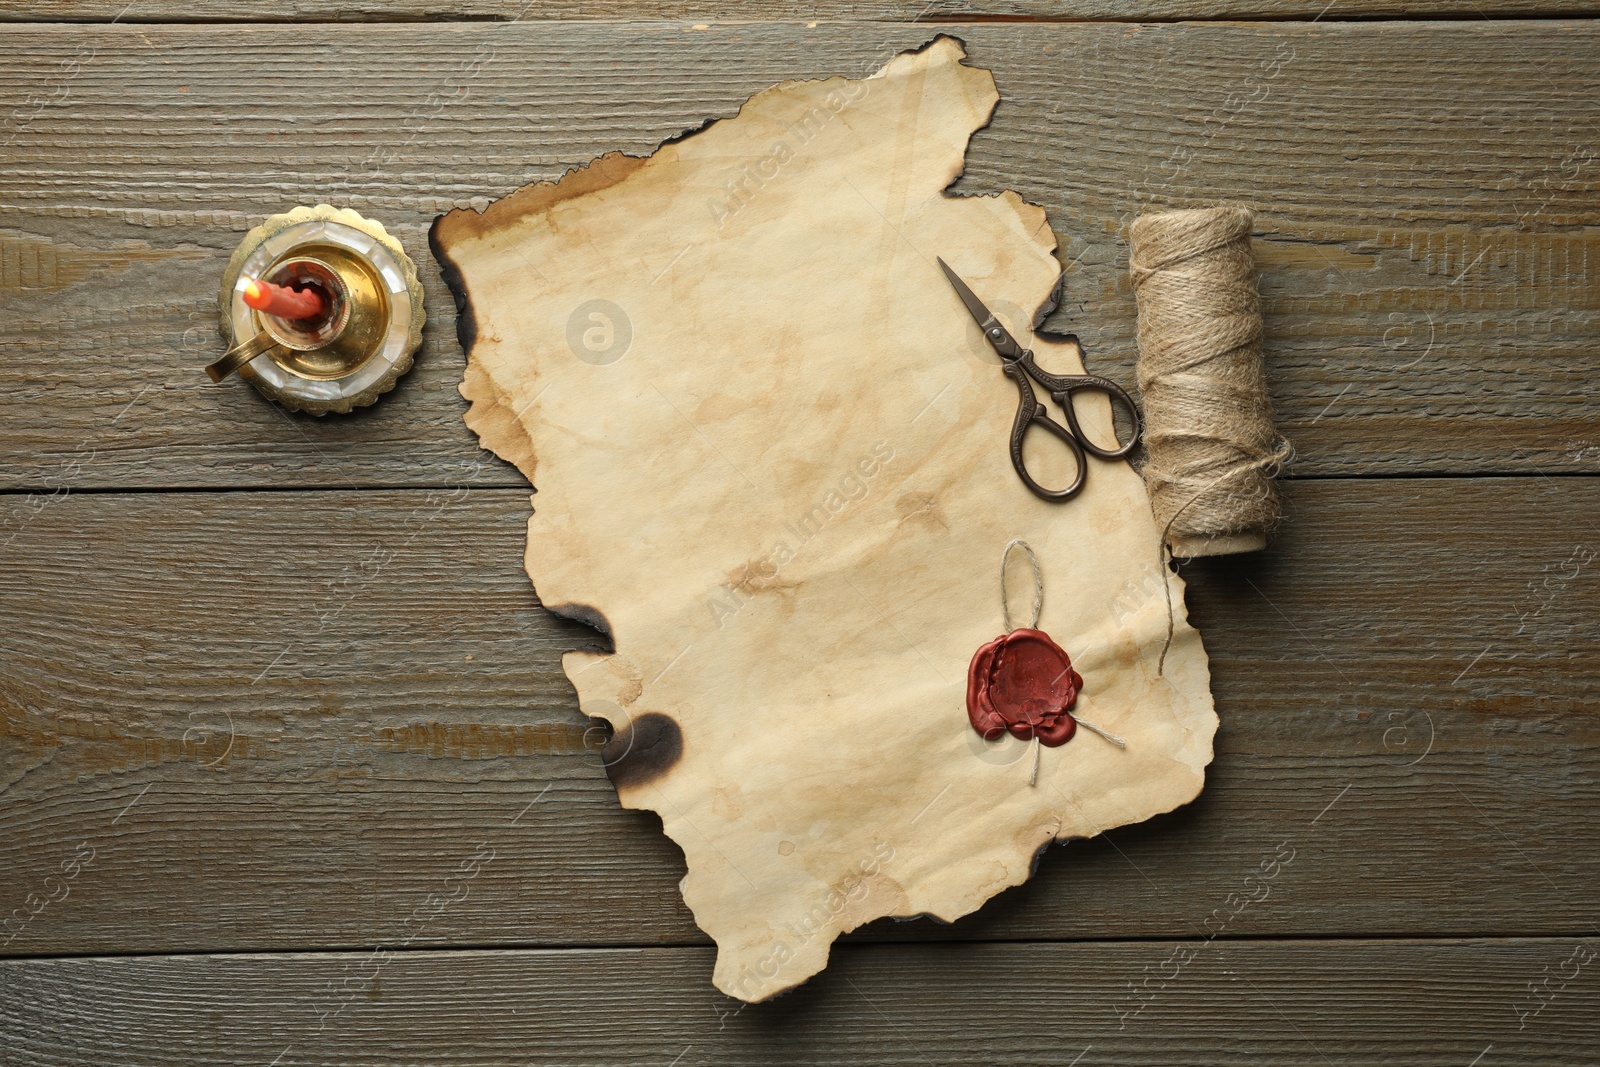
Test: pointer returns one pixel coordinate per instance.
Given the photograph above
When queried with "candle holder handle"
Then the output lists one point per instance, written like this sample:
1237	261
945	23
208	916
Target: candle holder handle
240	354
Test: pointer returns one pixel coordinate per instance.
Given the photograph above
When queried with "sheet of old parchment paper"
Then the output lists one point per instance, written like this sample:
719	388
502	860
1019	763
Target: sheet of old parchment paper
770	452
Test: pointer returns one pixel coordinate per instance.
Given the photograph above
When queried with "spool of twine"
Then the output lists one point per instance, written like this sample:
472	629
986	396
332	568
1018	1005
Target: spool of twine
1213	452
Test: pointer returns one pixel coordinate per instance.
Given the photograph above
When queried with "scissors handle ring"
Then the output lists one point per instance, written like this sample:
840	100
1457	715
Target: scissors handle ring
1062	386
1029	412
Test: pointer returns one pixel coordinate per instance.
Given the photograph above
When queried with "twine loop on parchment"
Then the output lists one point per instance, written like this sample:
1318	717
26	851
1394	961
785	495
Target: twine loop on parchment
1038	584
1213	451
1038	606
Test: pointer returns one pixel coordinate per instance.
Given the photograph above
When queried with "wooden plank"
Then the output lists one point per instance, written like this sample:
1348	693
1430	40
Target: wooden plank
283	720
142	11
1344	1002
1428	215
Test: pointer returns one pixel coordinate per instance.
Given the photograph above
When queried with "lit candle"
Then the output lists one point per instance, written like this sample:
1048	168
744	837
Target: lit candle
280	300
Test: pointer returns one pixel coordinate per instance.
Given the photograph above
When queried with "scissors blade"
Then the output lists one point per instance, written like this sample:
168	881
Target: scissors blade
996	334
968	297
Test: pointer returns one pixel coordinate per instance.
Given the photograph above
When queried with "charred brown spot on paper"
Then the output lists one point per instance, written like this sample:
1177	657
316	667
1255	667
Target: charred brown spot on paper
591	617
642	751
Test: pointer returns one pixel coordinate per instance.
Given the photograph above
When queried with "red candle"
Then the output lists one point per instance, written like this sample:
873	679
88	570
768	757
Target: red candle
281	301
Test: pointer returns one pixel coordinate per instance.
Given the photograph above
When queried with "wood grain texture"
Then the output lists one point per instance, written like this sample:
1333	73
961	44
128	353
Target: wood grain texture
235	721
142	11
1427	216
1344	1002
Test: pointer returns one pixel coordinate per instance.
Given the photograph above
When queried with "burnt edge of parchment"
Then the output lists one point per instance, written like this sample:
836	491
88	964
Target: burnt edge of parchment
643	751
466	319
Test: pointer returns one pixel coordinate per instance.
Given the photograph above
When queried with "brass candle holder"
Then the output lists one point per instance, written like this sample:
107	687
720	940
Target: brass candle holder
357	347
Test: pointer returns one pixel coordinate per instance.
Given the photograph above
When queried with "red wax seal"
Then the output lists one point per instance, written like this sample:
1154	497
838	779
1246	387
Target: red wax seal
1023	682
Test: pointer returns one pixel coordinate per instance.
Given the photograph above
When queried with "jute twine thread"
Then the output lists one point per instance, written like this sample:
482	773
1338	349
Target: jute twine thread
1038	583
1212	449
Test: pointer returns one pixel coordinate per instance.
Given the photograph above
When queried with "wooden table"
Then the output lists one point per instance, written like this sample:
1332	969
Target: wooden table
247	756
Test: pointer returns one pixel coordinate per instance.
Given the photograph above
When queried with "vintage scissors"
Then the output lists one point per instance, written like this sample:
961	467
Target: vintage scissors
1018	364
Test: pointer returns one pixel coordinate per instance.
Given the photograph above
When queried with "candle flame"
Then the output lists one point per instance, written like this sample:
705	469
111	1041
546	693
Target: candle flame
254	295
